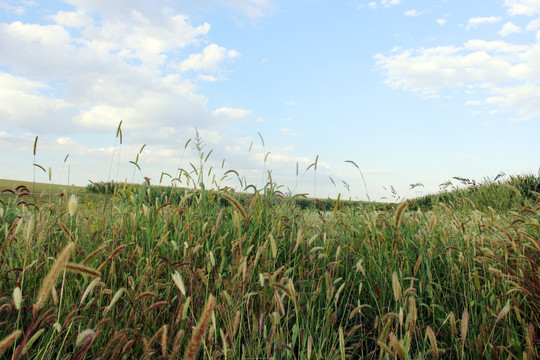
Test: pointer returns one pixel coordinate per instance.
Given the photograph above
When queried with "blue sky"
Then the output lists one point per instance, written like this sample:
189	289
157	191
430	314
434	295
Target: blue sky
411	91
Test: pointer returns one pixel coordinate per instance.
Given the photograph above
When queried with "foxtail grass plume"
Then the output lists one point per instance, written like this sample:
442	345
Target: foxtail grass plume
399	212
17	297
29	228
396	287
72	204
84	337
177	278
200	330
9	340
51	277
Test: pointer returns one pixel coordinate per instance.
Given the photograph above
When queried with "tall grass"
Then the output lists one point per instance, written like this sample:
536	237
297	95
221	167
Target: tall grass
213	274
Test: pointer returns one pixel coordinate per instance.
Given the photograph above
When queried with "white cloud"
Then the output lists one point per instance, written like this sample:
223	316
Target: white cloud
115	66
251	8
17	9
388	3
22	103
372	5
231	113
413	13
507	75
474	22
509	28
534	25
288	132
208	60
522	7
208	78
522	99
64	141
73	19
441	21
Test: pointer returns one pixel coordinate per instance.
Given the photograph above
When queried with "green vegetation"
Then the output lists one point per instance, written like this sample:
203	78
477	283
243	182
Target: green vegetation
219	275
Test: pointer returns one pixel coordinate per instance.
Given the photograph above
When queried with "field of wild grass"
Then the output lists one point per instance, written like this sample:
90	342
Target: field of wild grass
213	275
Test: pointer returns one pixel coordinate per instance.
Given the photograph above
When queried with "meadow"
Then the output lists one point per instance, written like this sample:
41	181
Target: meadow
135	273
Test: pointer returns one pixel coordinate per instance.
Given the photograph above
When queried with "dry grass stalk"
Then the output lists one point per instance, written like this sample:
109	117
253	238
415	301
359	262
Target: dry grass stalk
413	312
9	340
177	278
200	330
396	286
341	343
219	218
94	253
464	328
81	269
32	340
309	346
51	277
176	344
112	255
164	339
114	300
453	323
431	336
154	306
84	337
238	207
89	288
397	346
145	295
399	212
432	223
503	313
236	322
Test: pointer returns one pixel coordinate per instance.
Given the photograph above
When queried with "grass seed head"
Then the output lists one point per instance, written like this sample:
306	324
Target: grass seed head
464	325
399	212
177	278
50	279
17	297
200	330
396	286
84	337
72	204
9	340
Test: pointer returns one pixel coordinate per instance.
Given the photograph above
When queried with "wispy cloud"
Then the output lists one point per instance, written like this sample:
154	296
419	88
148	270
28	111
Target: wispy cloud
476	21
288	132
412	13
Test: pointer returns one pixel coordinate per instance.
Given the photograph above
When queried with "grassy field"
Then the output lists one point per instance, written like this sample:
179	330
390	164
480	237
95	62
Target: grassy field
131	276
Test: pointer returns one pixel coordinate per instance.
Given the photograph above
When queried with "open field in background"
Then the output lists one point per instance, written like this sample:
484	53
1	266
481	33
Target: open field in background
219	275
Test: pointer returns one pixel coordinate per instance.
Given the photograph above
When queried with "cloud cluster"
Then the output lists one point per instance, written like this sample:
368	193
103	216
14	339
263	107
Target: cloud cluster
522	7
73	76
383	3
476	21
103	62
500	74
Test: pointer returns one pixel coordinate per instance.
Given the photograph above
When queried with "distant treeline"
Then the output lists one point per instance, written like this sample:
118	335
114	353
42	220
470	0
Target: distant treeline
176	194
499	195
